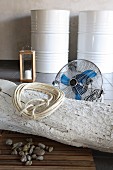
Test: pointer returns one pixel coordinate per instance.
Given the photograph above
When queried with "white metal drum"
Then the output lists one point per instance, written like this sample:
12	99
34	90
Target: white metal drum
50	39
95	38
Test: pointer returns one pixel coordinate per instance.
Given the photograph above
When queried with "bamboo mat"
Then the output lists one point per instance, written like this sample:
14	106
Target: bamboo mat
63	157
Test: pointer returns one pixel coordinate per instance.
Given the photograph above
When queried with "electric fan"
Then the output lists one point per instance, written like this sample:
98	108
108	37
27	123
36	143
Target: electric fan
81	80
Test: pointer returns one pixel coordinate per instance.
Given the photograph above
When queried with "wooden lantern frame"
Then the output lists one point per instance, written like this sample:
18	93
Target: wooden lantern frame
22	54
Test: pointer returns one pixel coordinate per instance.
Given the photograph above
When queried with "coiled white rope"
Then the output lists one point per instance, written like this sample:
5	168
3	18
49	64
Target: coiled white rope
37	108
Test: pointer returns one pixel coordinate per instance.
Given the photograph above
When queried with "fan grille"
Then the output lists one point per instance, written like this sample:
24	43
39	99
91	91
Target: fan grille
83	77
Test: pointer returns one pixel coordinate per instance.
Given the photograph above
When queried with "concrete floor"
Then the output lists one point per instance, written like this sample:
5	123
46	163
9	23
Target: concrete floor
10	70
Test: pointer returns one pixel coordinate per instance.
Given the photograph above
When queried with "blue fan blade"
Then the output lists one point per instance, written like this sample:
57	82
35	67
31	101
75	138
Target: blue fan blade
91	73
78	91
85	75
77	96
65	80
88	73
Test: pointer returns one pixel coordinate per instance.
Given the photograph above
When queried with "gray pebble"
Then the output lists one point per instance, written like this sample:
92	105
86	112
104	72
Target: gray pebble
9	142
17	145
40	152
26	148
50	149
23	158
34	156
37	148
28	157
46	148
19	149
14	152
41	145
31	149
29	144
40	158
21	153
28	163
26	153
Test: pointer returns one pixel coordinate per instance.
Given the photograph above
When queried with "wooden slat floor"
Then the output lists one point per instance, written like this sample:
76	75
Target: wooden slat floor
63	157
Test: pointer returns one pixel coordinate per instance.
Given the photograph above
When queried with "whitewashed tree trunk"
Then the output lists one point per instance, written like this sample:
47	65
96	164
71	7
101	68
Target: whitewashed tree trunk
77	123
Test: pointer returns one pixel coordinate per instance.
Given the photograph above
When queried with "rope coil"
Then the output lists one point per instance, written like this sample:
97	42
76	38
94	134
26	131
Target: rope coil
38	108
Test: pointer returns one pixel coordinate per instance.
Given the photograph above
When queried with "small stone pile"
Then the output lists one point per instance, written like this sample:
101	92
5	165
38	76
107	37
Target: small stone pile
29	151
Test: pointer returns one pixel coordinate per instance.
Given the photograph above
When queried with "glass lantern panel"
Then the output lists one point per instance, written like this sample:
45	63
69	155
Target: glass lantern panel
27	65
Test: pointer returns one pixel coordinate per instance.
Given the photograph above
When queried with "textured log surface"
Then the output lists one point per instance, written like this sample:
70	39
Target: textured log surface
63	157
76	123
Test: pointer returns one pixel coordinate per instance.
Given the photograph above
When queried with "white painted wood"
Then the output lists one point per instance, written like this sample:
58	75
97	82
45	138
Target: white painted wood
77	123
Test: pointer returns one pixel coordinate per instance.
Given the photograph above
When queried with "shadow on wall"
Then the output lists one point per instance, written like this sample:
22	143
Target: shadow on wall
73	37
14	34
23	32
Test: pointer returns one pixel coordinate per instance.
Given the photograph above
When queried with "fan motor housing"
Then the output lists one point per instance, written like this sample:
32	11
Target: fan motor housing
73	82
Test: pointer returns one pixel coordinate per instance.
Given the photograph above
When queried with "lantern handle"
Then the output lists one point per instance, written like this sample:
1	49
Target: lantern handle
27	47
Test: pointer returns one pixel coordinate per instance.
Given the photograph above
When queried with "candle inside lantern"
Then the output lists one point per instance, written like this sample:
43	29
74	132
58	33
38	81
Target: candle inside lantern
28	74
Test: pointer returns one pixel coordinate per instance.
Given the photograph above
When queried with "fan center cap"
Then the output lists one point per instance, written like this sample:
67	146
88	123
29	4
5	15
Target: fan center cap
73	82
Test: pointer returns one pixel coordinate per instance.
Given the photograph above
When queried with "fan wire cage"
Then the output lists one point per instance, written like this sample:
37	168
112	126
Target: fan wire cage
81	80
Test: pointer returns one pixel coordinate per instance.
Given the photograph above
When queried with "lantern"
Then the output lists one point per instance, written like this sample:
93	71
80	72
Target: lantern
27	66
